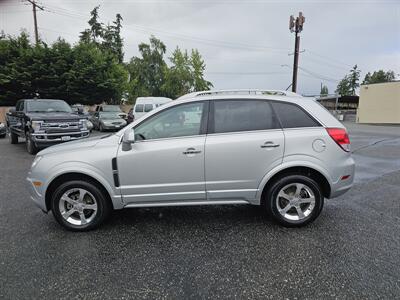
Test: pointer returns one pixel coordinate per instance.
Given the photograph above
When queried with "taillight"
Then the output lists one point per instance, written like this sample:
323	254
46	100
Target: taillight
340	136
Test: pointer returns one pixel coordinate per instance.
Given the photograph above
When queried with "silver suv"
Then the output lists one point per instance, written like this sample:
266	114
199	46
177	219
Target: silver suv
275	149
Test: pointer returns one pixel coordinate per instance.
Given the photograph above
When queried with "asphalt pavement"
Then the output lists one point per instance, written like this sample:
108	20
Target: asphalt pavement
352	251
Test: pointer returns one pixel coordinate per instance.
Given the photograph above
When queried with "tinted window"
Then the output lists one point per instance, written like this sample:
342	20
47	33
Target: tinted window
292	116
243	115
182	120
47	106
19	106
139	108
148	107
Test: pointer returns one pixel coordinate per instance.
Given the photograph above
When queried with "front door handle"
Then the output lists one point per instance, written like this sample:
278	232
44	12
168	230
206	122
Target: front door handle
269	144
191	151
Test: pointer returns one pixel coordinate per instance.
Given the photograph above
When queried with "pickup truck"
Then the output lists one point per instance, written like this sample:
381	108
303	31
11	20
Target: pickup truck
44	122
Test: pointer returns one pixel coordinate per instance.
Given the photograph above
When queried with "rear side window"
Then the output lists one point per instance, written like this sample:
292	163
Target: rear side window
148	107
242	115
139	108
292	116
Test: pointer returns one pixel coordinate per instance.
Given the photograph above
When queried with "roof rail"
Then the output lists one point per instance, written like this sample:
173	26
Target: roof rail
239	92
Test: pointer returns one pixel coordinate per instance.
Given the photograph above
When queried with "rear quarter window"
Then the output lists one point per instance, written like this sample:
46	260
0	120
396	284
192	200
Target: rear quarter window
148	107
293	116
139	108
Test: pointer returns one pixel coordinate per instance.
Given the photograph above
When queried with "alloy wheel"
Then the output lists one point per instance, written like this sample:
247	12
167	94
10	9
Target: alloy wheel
295	201
78	206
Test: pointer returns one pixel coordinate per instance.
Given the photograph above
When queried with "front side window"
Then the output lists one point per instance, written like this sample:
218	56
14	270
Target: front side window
148	107
292	116
243	115
139	108
182	120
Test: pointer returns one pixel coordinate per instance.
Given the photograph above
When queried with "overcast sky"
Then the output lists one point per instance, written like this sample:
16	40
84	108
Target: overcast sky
245	44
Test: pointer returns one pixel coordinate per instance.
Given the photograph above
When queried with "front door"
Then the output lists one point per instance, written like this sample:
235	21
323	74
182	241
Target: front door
166	163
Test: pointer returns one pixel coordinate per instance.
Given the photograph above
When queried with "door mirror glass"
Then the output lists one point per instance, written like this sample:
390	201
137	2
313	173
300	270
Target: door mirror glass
12	110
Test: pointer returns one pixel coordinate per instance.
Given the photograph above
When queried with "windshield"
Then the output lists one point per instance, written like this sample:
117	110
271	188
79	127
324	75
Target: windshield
48	106
111	108
109	115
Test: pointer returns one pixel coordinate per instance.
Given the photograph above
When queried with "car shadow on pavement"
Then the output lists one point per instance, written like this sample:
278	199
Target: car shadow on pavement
210	216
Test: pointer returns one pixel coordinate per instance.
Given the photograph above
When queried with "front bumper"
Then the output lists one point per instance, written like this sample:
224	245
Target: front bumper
113	126
36	193
48	139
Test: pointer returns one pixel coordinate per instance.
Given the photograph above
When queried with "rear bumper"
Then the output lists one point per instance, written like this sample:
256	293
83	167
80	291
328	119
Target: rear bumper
343	185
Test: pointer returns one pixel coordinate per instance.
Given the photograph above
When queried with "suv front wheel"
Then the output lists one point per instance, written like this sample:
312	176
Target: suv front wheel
79	205
294	201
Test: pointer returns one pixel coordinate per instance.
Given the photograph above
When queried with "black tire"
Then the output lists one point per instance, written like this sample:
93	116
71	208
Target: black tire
271	201
30	145
13	138
2	136
101	129
104	207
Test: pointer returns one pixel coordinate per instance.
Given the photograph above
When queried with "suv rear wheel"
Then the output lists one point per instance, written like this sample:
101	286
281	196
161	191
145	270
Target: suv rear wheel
79	205
294	201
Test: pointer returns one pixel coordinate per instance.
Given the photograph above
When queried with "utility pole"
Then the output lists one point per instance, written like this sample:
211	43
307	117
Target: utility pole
296	26
34	5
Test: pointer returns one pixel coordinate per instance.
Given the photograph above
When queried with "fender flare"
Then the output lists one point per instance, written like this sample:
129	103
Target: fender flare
287	165
87	170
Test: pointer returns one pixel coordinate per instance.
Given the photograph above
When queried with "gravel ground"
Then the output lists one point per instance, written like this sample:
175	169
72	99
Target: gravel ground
352	251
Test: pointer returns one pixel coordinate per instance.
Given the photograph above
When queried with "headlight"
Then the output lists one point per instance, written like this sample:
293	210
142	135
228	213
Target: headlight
2	125
84	123
36	125
89	124
36	161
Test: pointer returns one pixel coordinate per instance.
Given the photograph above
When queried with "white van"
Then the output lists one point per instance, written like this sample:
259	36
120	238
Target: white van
145	104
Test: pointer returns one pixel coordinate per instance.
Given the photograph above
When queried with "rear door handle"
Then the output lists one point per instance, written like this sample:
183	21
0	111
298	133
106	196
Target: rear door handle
191	151
269	144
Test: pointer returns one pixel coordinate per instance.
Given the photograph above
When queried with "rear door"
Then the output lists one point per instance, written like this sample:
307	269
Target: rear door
245	141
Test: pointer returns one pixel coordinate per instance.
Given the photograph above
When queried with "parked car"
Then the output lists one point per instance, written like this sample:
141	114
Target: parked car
143	105
111	108
79	109
3	130
103	121
44	122
269	148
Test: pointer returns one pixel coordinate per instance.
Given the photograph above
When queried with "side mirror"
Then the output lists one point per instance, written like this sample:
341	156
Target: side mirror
12	110
80	110
128	139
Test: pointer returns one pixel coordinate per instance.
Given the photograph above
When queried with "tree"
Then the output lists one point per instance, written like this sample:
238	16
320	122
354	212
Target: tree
84	73
198	66
147	72
324	91
185	75
379	77
349	84
112	40
95	32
